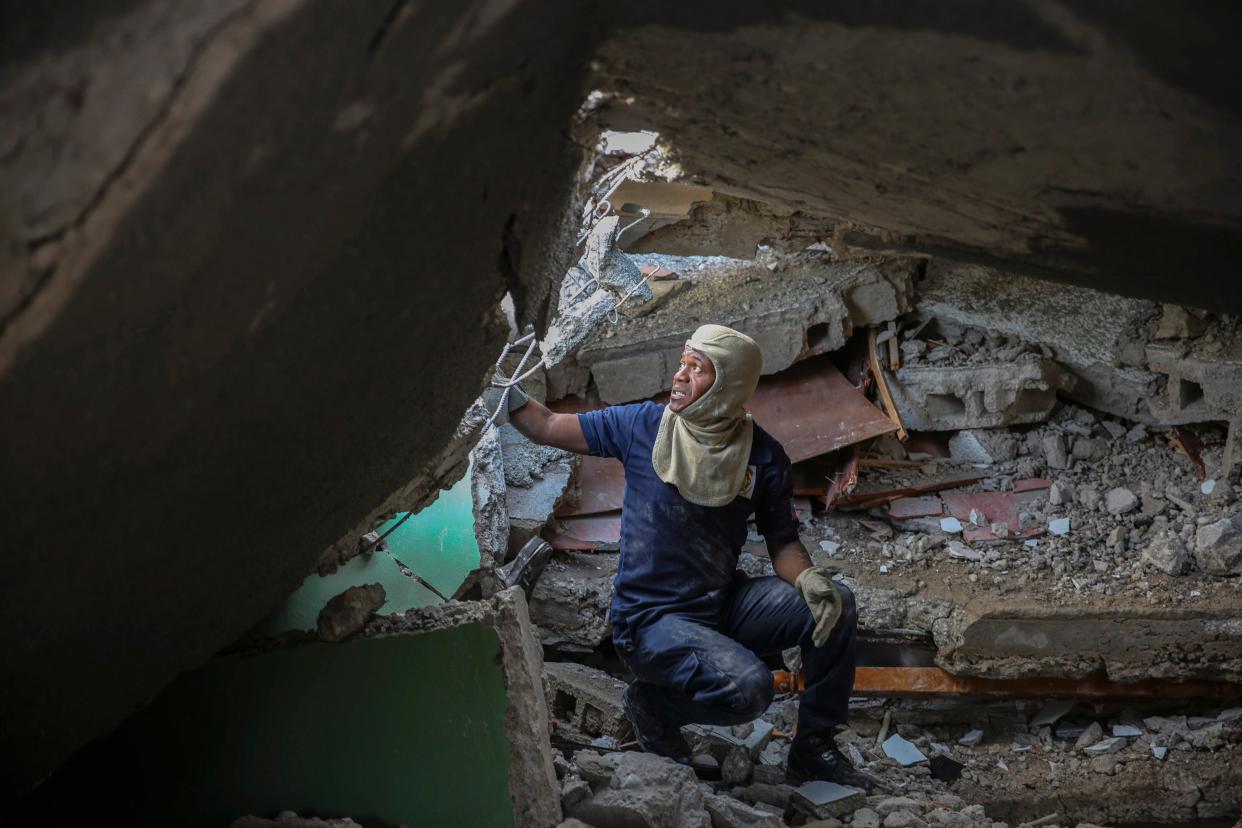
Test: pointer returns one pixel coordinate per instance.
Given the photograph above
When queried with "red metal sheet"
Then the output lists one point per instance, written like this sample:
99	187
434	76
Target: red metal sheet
916	507
811	409
600	487
1031	484
586	532
996	507
878	497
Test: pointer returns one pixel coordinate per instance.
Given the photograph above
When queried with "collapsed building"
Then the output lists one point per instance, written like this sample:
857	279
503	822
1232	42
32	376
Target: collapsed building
1007	365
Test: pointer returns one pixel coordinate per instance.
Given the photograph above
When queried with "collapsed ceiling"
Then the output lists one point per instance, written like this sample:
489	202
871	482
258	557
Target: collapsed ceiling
245	296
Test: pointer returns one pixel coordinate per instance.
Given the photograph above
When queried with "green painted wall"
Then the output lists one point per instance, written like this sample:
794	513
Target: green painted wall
405	729
438	543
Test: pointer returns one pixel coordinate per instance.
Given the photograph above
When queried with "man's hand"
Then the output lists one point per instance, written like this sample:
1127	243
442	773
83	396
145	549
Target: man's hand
816	587
493	394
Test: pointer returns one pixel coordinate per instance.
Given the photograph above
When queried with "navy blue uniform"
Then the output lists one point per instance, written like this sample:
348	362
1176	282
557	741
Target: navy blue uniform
684	620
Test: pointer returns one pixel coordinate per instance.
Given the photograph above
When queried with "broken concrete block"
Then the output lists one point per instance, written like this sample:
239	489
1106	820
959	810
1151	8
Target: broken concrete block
1218	547
727	812
348	612
570	601
902	819
982	446
646	790
1055	454
971	738
1126	730
1167	553
891	804
1060	493
1178	323
935	398
585	700
1120	501
1111	744
737	766
866	818
825	800
1090	736
1089	331
810	307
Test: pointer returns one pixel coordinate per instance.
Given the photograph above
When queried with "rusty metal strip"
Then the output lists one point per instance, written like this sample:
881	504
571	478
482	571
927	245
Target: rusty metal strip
1191	446
933	681
878	498
881	384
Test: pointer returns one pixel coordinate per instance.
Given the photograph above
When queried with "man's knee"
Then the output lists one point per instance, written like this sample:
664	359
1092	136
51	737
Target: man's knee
755	691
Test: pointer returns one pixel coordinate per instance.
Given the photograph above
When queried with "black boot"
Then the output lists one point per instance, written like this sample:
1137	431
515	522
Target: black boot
653	734
816	756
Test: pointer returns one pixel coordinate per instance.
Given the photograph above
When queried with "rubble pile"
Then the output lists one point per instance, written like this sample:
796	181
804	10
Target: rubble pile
954	763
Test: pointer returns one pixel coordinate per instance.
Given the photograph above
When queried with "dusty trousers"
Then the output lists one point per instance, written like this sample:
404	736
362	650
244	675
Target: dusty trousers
700	663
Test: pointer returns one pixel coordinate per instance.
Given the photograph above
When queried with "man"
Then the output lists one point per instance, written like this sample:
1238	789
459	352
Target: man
688	625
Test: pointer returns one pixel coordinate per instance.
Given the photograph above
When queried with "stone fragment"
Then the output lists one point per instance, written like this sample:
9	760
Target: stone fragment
1207	486
866	818
1126	730
1103	764
574	789
1120	501
348	612
902	819
1137	434
727	812
826	800
951	525
982	446
768	794
884	807
829	547
1090	736
1059	526
1089	449
1052	712
646	790
1060	493
1055	454
1167	553
1159	751
1115	429
1111	744
737	766
569	603
1218	547
971	738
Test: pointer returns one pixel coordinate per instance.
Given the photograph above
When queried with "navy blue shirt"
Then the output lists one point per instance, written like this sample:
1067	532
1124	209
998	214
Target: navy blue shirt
676	555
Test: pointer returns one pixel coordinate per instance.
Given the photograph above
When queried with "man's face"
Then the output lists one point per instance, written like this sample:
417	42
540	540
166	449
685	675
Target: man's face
694	376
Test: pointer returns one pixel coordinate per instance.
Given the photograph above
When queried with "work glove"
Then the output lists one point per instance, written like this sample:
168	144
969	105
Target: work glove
815	586
493	393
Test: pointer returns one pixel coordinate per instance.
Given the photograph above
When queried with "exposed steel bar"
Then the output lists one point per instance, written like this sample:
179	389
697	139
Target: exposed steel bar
930	681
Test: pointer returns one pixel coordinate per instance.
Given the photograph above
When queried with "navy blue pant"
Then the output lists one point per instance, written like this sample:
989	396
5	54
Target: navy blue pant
706	669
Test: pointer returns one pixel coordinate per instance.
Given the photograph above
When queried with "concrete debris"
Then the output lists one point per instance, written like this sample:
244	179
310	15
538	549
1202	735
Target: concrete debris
939	398
1090	736
1119	501
584	701
1052	712
569	605
1166	552
1110	744
591	291
971	738
727	812
1177	322
808	306
347	613
646	790
1059	526
1218	547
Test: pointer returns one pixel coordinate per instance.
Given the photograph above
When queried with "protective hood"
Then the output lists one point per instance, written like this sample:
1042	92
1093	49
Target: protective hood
703	450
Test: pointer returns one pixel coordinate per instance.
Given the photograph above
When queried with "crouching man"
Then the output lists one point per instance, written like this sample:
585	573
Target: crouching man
687	624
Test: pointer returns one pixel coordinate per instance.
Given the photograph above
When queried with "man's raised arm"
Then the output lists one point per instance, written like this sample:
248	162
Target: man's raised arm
563	431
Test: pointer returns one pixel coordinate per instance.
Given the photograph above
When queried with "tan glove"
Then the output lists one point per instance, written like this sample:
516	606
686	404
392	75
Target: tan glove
815	586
